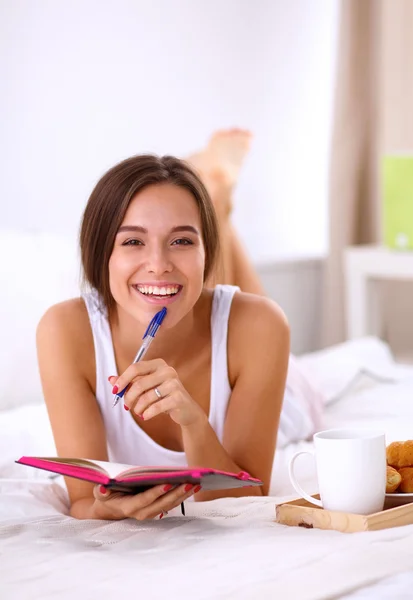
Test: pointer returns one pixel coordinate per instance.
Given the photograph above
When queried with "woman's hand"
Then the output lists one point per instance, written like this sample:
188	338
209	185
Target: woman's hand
155	388
145	505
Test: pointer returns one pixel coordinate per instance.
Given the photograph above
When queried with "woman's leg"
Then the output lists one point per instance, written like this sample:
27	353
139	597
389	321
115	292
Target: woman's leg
243	273
219	166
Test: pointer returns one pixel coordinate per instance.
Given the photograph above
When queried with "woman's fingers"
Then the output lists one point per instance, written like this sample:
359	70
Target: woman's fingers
145	505
127	504
167	502
144	389
139	369
148	411
101	493
154	397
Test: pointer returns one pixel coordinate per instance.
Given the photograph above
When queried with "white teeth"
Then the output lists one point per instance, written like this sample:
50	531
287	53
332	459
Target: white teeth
158	291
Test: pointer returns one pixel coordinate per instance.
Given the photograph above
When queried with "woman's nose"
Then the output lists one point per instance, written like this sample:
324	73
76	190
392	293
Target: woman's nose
158	261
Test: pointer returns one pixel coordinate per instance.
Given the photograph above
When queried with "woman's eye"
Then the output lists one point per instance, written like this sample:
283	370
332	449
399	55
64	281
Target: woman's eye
183	242
132	243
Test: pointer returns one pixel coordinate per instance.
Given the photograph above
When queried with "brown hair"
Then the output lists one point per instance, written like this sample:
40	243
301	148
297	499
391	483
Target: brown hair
109	201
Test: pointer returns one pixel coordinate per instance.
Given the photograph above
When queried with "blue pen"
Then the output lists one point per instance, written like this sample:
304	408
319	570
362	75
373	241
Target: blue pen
147	341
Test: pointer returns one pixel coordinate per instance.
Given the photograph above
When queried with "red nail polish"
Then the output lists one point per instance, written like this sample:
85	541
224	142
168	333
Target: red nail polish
141	417
197	488
109	378
161	515
188	487
167	487
102	489
115	389
125	407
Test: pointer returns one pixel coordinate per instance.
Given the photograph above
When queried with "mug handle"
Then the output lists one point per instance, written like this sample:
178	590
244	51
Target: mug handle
295	483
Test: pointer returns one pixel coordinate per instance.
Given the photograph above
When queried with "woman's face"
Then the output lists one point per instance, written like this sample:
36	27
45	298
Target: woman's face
158	258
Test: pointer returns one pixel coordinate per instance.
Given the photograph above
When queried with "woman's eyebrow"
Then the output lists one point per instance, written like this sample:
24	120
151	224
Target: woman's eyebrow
185	228
139	229
132	228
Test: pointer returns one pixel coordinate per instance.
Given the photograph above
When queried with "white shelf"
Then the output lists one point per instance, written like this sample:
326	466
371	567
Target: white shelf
364	266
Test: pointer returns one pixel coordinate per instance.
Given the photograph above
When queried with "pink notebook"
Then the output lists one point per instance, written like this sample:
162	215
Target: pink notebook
133	479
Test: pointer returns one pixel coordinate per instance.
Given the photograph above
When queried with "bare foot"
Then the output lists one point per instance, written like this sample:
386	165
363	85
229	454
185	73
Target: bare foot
227	149
219	165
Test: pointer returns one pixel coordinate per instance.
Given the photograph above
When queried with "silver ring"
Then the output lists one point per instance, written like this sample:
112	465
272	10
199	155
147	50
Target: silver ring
158	393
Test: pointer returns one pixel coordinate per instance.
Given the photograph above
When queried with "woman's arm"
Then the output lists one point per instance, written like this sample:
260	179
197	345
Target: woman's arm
67	367
66	361
258	352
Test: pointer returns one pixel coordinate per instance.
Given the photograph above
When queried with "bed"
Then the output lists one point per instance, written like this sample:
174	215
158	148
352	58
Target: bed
228	548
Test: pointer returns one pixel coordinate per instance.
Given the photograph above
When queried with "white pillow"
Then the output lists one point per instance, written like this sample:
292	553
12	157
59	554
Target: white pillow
36	271
340	369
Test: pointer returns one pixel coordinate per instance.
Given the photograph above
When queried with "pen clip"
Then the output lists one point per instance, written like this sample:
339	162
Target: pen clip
155	323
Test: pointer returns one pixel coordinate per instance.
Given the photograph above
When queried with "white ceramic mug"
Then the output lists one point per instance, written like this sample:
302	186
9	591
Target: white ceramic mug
351	470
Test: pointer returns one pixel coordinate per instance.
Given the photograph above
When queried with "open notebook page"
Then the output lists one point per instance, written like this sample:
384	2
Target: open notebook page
115	469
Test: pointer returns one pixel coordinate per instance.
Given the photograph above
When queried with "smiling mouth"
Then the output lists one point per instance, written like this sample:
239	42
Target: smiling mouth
153	291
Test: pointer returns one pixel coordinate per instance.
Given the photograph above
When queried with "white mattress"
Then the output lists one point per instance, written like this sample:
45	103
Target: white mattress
229	548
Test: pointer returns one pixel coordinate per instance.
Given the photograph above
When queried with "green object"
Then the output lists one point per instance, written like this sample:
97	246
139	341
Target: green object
397	194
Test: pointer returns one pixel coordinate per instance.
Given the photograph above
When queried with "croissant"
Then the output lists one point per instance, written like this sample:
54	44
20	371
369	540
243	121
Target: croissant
406	474
393	480
400	454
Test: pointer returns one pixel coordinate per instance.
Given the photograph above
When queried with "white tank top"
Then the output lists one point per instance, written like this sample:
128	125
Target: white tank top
127	442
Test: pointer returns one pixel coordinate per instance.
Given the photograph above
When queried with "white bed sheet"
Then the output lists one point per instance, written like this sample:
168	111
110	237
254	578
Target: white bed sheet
222	549
230	548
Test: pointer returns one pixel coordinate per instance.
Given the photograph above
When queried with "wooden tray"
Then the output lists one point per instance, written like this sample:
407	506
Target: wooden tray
303	514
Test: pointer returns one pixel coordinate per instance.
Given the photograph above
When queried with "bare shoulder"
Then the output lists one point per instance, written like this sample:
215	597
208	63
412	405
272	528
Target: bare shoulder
66	325
257	314
69	317
258	328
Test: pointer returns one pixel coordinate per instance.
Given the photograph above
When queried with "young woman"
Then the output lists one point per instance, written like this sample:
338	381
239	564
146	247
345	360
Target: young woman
210	390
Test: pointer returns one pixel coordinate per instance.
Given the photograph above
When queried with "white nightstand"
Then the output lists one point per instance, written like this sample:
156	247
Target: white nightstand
364	267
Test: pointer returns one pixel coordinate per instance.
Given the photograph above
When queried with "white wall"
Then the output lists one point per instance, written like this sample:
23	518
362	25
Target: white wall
86	83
